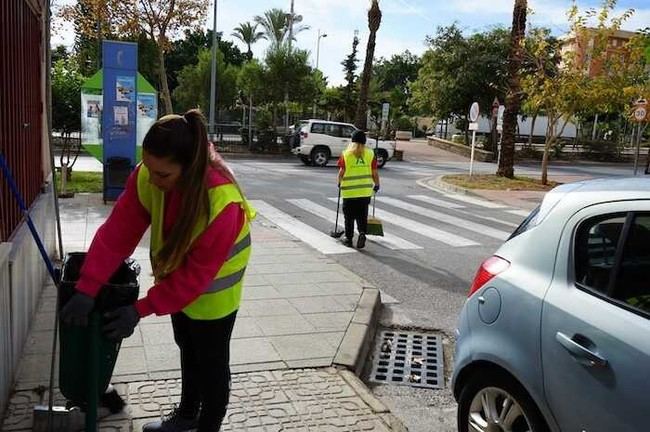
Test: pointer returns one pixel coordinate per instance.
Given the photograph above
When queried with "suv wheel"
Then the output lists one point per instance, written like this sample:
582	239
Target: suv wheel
491	402
382	157
320	155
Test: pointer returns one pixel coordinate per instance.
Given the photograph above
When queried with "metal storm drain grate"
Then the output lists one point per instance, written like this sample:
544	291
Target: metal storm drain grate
408	358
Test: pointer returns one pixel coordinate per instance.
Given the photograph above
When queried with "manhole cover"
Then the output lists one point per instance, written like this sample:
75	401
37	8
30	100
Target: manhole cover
408	358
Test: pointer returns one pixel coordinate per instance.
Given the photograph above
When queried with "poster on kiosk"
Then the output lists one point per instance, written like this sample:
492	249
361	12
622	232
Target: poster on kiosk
119	114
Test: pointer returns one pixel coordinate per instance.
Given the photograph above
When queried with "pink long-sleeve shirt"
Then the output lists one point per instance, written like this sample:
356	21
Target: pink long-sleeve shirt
118	237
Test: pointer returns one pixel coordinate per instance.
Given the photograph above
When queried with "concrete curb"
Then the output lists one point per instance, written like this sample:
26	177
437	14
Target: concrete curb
376	405
359	336
437	184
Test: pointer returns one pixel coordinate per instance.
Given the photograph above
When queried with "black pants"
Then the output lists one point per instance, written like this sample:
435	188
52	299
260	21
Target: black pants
355	209
205	368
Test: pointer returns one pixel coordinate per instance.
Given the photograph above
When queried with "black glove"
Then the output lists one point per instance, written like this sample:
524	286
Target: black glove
121	322
77	308
376	188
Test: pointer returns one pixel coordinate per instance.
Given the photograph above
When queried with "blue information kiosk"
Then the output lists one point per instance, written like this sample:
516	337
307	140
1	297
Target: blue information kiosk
119	132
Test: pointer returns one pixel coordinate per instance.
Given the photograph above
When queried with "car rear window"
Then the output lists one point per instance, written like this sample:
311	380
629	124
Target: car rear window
527	224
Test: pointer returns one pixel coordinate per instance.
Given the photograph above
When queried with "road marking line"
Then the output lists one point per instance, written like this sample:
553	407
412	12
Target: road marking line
436	202
443	217
475	201
422	229
389	241
314	238
523	213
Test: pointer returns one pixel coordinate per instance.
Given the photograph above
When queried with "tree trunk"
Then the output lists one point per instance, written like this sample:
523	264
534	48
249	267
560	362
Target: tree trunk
374	21
532	129
547	146
165	95
513	97
360	120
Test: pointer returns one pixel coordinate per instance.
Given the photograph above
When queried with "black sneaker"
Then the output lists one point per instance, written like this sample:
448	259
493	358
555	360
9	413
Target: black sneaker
347	242
173	422
361	241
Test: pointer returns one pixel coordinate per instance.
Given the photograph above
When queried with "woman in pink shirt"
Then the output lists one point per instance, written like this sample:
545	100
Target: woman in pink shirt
200	247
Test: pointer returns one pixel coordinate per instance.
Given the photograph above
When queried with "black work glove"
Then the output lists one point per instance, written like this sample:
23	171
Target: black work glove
77	308
121	322
376	188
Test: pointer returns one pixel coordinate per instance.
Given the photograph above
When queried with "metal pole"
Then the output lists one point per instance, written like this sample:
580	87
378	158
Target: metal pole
317	59
213	77
250	121
471	158
638	149
286	92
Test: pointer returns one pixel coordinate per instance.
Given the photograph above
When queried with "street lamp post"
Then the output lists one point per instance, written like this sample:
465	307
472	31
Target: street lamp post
213	77
317	58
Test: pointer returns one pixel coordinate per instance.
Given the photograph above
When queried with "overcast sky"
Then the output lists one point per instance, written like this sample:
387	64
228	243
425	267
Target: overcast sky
405	23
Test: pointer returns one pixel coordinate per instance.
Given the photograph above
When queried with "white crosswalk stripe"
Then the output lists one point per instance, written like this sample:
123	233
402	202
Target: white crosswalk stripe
443	217
523	213
476	201
436	201
302	231
389	240
422	229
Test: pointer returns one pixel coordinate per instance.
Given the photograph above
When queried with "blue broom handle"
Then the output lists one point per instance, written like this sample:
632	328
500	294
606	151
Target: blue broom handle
14	190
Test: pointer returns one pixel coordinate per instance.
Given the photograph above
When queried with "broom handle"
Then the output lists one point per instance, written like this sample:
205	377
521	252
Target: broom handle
374	201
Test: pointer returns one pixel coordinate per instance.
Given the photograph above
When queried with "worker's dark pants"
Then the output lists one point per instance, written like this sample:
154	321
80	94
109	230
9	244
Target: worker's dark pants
355	209
205	369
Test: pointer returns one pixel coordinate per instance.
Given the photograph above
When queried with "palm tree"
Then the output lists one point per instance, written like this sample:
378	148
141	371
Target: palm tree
374	20
275	23
247	33
514	92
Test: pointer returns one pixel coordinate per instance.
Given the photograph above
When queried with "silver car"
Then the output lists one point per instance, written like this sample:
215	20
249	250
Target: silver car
555	334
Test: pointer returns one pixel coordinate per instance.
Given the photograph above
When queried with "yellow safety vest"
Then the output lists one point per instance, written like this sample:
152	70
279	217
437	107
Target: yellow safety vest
357	181
223	295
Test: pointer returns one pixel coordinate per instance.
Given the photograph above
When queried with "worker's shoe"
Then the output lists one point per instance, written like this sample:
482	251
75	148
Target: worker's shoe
361	241
347	242
173	422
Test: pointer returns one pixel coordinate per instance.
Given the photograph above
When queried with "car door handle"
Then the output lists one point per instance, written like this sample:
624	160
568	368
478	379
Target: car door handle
583	354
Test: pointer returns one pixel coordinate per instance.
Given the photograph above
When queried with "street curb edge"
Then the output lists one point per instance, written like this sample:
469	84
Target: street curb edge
359	336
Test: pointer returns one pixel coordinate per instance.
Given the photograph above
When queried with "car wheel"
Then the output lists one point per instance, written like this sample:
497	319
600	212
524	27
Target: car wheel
492	401
305	160
382	158
320	156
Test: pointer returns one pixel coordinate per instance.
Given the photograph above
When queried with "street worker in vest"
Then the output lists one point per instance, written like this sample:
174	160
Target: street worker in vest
358	178
200	246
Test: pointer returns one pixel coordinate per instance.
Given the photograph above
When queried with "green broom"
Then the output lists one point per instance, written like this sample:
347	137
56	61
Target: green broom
374	225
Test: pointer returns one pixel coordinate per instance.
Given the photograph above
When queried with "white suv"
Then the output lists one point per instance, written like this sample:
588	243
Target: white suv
322	140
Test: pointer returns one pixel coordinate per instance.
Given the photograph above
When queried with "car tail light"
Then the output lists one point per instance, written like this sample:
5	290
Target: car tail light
488	269
304	134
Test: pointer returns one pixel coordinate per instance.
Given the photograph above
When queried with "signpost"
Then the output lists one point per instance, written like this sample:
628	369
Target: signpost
385	109
502	109
639	115
120	60
473	126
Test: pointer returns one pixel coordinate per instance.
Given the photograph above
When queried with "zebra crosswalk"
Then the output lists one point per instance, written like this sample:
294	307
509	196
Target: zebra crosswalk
411	222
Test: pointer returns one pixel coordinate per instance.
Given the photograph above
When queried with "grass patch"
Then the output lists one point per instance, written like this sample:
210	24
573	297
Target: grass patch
492	182
82	181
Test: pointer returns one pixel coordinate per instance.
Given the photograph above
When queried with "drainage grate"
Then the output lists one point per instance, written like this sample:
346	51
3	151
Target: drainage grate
407	358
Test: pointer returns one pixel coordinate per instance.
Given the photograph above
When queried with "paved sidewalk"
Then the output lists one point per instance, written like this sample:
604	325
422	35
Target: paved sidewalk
302	315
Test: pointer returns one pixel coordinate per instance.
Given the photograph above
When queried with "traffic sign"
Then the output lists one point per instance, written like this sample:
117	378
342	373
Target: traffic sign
474	112
385	108
640	113
502	109
473	126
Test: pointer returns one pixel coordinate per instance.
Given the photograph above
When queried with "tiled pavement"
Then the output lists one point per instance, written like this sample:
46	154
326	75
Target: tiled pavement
290	330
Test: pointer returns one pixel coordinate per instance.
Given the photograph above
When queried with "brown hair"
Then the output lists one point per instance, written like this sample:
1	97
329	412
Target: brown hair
183	140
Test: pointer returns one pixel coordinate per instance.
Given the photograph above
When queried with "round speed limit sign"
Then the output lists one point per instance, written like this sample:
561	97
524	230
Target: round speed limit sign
640	113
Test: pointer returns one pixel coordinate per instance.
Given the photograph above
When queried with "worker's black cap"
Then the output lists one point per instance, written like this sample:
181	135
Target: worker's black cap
359	137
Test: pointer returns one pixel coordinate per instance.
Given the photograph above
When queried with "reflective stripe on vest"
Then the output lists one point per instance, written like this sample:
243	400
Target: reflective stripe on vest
357	181
223	295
